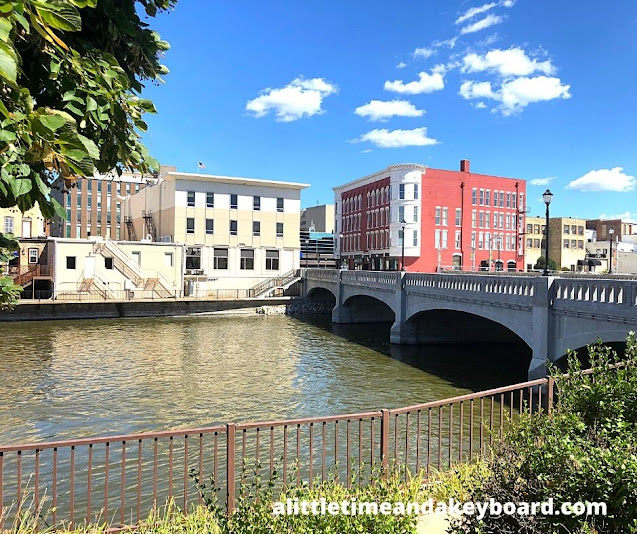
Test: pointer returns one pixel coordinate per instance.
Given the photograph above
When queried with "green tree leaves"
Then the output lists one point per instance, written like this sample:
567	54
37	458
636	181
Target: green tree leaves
71	74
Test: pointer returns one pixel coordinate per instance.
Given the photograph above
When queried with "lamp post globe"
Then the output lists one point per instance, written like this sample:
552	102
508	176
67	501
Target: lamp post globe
546	197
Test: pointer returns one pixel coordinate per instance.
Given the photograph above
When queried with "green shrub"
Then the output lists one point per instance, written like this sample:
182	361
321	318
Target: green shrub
585	451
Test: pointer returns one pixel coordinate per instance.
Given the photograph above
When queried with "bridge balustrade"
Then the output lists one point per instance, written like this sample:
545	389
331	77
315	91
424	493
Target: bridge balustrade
369	277
597	291
329	275
509	286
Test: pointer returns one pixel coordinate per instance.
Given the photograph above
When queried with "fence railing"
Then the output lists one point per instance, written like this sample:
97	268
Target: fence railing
118	479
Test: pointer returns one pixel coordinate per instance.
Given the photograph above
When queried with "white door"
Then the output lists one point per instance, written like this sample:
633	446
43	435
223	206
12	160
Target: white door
89	267
26	228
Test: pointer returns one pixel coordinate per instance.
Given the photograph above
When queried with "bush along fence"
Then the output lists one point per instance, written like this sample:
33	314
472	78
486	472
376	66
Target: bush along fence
119	479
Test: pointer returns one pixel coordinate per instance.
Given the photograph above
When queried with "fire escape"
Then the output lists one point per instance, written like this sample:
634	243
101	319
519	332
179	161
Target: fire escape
130	228
150	225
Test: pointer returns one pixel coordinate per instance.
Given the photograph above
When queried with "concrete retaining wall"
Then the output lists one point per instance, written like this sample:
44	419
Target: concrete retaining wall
97	310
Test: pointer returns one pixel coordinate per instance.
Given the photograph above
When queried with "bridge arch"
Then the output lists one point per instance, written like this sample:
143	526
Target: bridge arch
322	295
362	308
580	340
450	322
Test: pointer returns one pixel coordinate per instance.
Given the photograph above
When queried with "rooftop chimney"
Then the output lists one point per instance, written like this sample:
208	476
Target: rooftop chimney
465	165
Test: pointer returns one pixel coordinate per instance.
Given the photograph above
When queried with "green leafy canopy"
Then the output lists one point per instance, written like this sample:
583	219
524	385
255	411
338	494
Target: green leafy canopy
71	76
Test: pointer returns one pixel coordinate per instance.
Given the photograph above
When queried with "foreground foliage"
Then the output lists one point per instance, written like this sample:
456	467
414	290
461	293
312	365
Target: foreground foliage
71	75
585	451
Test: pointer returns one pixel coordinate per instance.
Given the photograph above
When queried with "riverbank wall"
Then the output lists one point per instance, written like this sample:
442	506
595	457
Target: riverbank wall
52	310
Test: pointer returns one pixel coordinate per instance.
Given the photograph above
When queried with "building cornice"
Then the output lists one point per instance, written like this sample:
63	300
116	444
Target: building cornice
379	175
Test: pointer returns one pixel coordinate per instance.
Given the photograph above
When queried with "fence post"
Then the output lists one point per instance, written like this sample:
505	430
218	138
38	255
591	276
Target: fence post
230	465
549	397
384	442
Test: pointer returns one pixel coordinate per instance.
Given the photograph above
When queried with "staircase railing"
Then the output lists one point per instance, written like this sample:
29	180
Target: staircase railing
25	277
121	261
271	283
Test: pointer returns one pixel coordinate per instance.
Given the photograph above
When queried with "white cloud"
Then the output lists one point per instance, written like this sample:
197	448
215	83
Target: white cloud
378	110
427	83
486	22
469	90
516	94
451	43
470	13
511	62
542	181
300	98
480	105
401	65
488	41
423	52
383	138
519	93
604	180
627	216
366	151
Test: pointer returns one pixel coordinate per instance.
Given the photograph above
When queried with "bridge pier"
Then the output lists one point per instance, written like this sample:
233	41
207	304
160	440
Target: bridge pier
342	315
403	333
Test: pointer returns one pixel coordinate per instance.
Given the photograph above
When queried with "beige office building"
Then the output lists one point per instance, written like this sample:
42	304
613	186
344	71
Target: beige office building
237	231
567	241
29	224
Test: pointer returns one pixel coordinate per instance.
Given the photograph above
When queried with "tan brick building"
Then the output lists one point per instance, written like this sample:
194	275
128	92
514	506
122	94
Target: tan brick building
567	241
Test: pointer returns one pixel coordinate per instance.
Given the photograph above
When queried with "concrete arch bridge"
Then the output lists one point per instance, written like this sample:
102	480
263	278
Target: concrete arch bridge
549	314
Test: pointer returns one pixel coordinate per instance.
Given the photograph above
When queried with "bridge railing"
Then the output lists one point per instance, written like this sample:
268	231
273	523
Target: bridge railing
614	292
370	277
119	479
520	286
328	275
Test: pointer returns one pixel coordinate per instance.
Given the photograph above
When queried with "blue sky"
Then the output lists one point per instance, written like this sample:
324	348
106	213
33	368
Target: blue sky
327	91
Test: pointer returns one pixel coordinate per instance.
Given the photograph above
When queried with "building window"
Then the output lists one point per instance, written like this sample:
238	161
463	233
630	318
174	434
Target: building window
168	259
70	262
473	240
580	230
191	199
444	239
415	238
566	243
279	229
401	214
438	215
445	212
529	242
415	213
481	240
415	193
401	192
457	240
247	260
256	228
108	263
137	257
502	199
256	203
474	216
481	197
8	225
474	197
529	228
567	229
234	202
487	219
580	244
573	244
210	226
481	223
514	200
233	228
458	217
573	229
220	261
279	205
508	200
487	197
271	260
210	200
401	237
33	255
190	225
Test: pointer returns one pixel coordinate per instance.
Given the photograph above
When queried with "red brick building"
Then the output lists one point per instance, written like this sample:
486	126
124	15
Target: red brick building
450	220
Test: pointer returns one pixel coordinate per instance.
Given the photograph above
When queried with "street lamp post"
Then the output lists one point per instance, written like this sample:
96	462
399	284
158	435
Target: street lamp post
340	246
547	197
499	264
473	259
611	232
402	262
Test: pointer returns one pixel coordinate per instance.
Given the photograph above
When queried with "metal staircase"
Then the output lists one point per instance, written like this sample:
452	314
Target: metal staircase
159	284
269	286
130	228
150	225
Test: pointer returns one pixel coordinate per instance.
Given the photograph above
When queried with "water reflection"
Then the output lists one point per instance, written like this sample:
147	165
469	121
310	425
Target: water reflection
64	379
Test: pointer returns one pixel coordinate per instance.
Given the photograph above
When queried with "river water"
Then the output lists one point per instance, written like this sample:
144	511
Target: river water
71	379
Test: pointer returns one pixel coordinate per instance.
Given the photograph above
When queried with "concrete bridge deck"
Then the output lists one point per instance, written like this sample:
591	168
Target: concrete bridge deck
549	314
